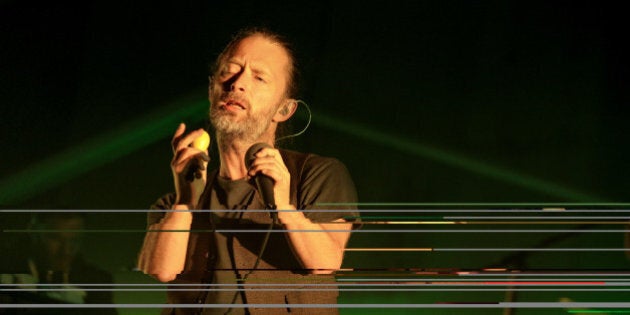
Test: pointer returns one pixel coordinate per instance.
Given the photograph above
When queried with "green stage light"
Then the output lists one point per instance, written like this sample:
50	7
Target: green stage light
157	125
100	150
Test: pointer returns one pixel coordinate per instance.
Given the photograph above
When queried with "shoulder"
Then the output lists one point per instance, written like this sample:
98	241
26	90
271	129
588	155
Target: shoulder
319	178
163	203
312	164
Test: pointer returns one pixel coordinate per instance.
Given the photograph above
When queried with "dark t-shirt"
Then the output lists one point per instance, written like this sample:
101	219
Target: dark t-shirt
220	258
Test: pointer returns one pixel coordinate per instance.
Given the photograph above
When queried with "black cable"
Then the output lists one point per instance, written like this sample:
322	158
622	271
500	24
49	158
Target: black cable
260	253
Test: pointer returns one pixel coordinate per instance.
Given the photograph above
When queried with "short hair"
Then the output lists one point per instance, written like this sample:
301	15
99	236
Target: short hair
292	88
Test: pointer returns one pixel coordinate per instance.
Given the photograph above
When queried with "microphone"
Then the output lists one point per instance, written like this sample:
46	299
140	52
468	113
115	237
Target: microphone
264	183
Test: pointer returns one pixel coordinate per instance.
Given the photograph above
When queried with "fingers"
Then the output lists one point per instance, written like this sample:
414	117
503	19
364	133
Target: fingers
189	164
269	153
268	162
183	157
177	136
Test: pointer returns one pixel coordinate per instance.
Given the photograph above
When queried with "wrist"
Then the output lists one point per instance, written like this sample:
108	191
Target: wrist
183	205
293	217
179	217
286	207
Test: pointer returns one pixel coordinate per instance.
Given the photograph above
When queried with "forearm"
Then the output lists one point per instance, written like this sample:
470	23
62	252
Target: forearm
163	254
319	249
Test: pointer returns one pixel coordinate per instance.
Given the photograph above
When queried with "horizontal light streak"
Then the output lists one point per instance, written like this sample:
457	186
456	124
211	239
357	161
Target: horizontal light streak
605	312
28	211
389	249
478	204
412	222
536	217
506	222
443	305
343	289
366	283
510	279
415	282
353	231
360	282
540	274
489	249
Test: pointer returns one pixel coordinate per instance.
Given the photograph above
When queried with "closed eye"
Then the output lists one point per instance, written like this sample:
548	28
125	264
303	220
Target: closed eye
230	69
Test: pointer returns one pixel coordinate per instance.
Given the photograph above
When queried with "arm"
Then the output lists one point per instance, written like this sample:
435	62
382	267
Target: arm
320	249
163	254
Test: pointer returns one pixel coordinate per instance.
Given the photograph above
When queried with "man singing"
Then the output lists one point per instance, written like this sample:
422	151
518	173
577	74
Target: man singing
225	252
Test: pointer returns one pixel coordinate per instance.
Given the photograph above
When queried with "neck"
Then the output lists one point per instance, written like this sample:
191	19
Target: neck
232	154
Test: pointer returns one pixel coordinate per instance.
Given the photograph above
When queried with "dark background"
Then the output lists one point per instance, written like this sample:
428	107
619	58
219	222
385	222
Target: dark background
456	101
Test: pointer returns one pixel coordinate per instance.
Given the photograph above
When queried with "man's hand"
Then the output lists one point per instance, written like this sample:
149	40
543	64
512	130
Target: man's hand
188	167
269	162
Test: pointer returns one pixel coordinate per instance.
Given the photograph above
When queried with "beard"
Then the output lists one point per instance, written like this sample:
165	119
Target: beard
248	128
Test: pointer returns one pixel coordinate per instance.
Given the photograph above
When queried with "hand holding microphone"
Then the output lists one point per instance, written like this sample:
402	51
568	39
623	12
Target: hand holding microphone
271	175
264	183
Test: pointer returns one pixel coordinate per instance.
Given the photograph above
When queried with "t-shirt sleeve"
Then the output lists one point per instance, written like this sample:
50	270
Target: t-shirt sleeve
327	191
163	203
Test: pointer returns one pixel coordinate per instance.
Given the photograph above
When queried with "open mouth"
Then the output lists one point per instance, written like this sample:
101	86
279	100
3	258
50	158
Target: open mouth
234	105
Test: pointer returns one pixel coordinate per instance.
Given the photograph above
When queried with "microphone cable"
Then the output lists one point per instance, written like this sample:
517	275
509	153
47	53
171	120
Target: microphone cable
308	123
259	256
274	217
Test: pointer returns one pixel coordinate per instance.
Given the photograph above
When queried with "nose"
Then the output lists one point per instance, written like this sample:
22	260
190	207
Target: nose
239	82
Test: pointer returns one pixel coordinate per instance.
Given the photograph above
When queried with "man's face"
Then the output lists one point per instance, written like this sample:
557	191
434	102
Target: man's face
248	88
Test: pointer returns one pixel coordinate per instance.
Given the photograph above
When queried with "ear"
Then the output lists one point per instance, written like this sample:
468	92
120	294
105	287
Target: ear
285	111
